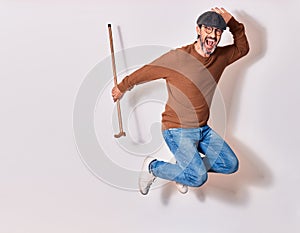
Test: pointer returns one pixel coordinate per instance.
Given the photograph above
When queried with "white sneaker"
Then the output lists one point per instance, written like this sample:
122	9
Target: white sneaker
182	188
146	177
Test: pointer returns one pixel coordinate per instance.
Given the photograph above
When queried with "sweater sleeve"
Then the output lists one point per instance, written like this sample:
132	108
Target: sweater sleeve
144	74
240	47
152	71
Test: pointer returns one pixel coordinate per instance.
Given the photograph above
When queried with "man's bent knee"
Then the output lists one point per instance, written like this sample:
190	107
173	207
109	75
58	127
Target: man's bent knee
196	180
233	167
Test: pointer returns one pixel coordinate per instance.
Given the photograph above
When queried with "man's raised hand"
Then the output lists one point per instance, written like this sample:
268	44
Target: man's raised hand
225	14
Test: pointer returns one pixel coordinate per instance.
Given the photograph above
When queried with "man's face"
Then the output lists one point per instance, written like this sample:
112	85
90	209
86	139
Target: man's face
209	38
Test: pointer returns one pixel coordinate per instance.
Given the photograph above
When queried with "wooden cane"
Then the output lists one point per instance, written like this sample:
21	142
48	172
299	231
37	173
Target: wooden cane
121	133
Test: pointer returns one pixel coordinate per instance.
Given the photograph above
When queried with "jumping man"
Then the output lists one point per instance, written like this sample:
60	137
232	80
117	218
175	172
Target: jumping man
191	73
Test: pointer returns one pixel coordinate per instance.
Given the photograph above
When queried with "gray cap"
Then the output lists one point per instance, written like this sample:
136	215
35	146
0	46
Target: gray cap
212	19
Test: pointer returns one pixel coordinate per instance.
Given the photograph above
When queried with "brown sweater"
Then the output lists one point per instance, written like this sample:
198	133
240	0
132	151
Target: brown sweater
191	79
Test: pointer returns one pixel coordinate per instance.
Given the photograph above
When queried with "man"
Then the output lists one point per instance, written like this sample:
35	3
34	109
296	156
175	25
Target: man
191	73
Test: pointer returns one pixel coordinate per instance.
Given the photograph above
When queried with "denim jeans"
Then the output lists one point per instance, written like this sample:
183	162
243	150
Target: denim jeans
190	168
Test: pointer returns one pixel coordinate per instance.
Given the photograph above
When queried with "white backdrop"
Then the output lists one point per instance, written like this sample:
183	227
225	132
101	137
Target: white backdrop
49	49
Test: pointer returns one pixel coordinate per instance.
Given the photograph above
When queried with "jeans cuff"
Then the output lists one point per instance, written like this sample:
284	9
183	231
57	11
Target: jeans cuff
151	166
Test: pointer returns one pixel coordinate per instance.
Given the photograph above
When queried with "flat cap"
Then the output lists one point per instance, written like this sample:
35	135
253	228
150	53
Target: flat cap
212	19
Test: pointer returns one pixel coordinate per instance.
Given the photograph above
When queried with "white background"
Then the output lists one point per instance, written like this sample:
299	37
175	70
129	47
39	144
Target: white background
46	50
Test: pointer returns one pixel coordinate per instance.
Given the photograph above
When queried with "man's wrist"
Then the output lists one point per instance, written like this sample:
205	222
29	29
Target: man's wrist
121	88
231	21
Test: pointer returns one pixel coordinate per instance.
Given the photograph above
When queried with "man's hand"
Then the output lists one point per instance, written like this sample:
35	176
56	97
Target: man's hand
225	14
116	93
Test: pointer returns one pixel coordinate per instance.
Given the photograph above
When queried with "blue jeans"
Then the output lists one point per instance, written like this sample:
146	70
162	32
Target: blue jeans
190	168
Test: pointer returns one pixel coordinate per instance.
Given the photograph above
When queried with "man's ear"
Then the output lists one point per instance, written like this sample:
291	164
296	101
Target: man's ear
198	29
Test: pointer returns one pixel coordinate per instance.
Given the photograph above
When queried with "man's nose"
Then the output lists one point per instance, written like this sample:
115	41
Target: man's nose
213	33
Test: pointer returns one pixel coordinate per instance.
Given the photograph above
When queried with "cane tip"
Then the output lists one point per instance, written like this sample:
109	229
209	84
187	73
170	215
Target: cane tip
109	25
122	133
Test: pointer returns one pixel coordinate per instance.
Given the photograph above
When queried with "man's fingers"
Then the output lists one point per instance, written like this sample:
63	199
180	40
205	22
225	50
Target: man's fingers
216	9
115	98
224	11
219	10
116	93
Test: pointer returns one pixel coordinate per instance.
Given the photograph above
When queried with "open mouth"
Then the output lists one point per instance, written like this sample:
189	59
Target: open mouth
210	42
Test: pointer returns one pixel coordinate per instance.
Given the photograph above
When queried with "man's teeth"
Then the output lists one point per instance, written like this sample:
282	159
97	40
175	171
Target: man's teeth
210	42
